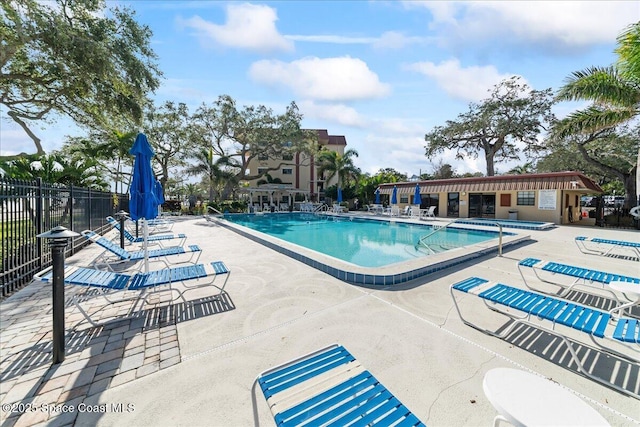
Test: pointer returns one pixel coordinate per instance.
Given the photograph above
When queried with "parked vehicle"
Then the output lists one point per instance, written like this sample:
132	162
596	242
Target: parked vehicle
585	200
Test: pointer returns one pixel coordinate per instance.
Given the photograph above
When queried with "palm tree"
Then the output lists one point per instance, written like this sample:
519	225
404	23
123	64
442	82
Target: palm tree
340	165
615	92
212	170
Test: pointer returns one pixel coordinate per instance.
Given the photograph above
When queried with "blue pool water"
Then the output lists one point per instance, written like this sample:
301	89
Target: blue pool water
508	223
366	243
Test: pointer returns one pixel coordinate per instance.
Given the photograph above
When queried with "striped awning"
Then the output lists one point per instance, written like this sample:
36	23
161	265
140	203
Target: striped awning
543	181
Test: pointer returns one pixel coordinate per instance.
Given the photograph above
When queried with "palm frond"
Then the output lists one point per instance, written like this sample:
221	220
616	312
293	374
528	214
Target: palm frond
592	119
603	85
628	51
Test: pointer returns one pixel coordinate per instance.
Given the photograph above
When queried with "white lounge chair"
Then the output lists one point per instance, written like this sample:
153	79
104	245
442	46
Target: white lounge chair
108	284
159	239
607	247
115	255
585	278
330	387
618	336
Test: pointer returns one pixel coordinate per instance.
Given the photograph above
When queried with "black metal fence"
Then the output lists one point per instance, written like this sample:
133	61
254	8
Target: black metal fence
29	208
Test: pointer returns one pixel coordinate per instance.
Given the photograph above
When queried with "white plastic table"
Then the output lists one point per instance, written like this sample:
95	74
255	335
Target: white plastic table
525	399
631	290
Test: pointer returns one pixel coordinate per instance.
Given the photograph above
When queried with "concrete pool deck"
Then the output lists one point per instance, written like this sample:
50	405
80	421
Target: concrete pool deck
172	366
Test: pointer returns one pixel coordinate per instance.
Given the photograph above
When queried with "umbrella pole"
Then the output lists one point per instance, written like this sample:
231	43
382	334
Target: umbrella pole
145	231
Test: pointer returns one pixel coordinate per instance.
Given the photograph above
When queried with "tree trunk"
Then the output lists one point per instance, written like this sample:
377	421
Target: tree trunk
490	166
631	197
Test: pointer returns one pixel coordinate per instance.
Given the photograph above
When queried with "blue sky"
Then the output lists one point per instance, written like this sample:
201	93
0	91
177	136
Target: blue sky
381	73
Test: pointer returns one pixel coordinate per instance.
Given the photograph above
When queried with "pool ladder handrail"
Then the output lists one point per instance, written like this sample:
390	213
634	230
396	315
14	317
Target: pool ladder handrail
438	228
211	208
322	208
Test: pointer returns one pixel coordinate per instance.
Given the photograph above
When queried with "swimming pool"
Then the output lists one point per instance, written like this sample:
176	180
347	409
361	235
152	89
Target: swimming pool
363	242
508	223
263	228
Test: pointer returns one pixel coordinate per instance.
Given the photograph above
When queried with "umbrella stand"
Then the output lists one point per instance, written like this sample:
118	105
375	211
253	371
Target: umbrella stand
145	231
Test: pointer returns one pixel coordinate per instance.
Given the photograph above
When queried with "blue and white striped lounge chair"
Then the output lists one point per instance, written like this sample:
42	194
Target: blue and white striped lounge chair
156	225
619	336
159	239
120	255
108	284
606	247
545	270
330	387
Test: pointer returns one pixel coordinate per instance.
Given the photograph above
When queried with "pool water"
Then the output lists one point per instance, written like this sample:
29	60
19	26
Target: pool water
366	243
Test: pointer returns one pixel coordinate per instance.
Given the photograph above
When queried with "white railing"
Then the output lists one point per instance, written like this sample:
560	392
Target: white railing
438	228
216	211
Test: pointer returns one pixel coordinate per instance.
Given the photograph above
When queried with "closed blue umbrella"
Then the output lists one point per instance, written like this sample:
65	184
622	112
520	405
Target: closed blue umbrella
159	193
377	196
394	196
416	196
143	203
339	195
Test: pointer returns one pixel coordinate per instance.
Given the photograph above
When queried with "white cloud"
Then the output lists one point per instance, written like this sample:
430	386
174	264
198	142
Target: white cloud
557	24
338	113
395	40
329	79
333	39
469	84
248	26
388	40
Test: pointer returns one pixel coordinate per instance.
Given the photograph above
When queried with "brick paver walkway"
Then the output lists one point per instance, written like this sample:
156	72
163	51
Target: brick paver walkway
34	391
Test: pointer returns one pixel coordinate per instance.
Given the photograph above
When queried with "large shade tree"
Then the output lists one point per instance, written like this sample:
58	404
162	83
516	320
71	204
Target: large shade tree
167	128
615	94
241	135
607	154
77	59
499	128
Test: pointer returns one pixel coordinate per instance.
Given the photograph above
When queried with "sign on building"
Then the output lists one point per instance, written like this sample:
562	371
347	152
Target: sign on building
547	200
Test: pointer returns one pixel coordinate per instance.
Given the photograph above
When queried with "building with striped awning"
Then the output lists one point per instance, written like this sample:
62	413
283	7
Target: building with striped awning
547	197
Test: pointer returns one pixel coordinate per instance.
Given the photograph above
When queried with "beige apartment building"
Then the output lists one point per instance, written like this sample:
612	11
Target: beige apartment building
298	173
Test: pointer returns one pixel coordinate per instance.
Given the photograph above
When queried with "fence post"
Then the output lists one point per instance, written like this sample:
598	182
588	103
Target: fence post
71	226
38	224
89	207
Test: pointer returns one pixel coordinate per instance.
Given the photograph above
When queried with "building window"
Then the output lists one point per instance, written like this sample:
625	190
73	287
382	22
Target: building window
526	198
287	171
262	171
404	199
287	157
263	157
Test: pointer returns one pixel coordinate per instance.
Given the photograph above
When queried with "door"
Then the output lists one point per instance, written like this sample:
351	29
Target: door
482	205
475	205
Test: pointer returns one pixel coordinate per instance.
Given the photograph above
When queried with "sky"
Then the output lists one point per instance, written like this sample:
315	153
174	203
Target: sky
381	73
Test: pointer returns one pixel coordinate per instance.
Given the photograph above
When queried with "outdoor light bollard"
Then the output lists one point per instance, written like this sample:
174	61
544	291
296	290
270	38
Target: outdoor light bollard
121	216
58	238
